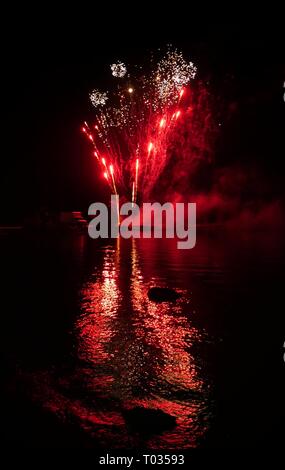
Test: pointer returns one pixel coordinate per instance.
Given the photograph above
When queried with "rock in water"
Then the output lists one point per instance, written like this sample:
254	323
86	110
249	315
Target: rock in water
148	421
162	294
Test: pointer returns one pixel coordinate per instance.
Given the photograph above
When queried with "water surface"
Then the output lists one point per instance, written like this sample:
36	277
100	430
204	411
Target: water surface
83	344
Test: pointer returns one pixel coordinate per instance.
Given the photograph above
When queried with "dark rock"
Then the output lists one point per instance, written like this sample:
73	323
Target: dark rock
162	294
148	421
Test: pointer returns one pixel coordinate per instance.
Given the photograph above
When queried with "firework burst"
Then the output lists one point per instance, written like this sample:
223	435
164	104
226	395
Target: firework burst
119	69
147	118
98	98
172	74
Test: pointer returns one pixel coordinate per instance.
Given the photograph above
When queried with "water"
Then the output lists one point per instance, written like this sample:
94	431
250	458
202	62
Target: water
83	345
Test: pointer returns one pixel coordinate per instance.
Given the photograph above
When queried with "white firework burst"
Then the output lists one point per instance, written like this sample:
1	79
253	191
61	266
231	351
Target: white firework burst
98	98
119	69
173	72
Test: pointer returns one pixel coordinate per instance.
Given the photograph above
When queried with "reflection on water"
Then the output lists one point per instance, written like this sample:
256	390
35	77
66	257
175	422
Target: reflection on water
84	345
137	352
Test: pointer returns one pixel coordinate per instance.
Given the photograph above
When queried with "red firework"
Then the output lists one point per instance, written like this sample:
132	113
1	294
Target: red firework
139	125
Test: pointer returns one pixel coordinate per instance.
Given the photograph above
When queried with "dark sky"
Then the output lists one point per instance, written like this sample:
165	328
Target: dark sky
48	76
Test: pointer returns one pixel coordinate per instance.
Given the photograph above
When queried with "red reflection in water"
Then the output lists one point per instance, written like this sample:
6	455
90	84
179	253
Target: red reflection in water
100	302
144	346
129	352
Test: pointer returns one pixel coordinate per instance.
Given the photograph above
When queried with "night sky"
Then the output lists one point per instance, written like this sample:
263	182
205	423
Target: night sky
48	74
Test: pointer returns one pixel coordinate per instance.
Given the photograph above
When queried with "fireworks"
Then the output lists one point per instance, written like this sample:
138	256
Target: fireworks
145	120
97	98
172	73
150	147
136	179
119	69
